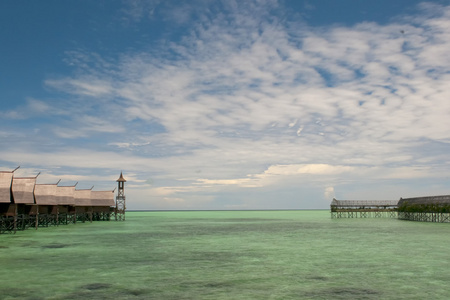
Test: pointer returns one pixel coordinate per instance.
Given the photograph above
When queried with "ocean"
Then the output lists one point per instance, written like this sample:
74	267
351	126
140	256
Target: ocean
228	255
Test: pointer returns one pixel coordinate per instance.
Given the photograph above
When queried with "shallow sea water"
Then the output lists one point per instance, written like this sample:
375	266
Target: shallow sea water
228	255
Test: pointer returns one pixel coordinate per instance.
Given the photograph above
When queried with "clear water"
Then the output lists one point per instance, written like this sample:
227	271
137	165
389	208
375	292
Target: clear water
229	255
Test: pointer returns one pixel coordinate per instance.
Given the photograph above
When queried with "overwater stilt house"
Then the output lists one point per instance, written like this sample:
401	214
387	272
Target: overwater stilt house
46	201
83	207
66	204
25	203
23	198
425	209
102	205
8	214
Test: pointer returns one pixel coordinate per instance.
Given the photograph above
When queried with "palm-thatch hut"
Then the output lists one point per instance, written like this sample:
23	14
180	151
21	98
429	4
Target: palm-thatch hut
7	207
23	197
102	204
45	195
65	204
83	206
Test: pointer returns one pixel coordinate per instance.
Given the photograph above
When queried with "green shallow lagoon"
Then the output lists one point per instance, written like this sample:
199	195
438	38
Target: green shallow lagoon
228	255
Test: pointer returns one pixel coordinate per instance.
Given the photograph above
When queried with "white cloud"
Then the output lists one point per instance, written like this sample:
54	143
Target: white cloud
84	86
329	193
253	95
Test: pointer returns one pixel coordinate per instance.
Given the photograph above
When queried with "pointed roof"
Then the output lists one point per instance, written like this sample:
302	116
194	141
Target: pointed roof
121	179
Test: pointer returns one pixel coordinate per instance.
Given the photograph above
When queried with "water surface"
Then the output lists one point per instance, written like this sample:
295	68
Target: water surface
228	255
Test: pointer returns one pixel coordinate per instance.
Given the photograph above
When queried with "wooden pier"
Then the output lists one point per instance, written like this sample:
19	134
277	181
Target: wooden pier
363	209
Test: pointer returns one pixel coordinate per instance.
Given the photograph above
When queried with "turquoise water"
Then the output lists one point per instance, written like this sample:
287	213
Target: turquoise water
228	255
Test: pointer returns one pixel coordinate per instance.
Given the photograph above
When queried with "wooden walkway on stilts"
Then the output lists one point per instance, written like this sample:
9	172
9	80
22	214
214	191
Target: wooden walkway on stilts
363	209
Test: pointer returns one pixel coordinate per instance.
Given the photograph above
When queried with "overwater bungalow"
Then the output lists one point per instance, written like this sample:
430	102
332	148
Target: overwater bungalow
83	206
7	207
25	203
66	204
46	200
23	198
102	205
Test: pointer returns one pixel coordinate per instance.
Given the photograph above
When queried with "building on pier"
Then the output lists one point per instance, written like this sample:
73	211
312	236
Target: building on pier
8	216
102	205
46	201
425	209
24	203
83	206
363	209
66	204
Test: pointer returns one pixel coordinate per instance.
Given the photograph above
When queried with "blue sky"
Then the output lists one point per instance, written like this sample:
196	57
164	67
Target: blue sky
203	104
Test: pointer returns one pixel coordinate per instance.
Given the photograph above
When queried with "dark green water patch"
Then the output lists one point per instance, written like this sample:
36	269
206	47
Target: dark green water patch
16	293
344	293
136	292
105	291
316	277
245	220
29	244
155	235
221	256
205	284
226	228
55	246
96	286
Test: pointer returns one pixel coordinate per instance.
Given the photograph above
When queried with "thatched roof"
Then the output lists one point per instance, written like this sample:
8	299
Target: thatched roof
365	203
45	194
102	198
82	197
65	195
5	186
23	189
444	199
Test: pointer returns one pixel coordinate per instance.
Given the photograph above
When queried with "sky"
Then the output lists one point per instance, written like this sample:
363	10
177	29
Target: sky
259	104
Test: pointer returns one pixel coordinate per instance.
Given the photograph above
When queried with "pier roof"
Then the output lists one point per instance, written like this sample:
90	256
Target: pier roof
83	197
102	198
121	179
363	203
23	189
443	199
5	186
45	194
65	195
